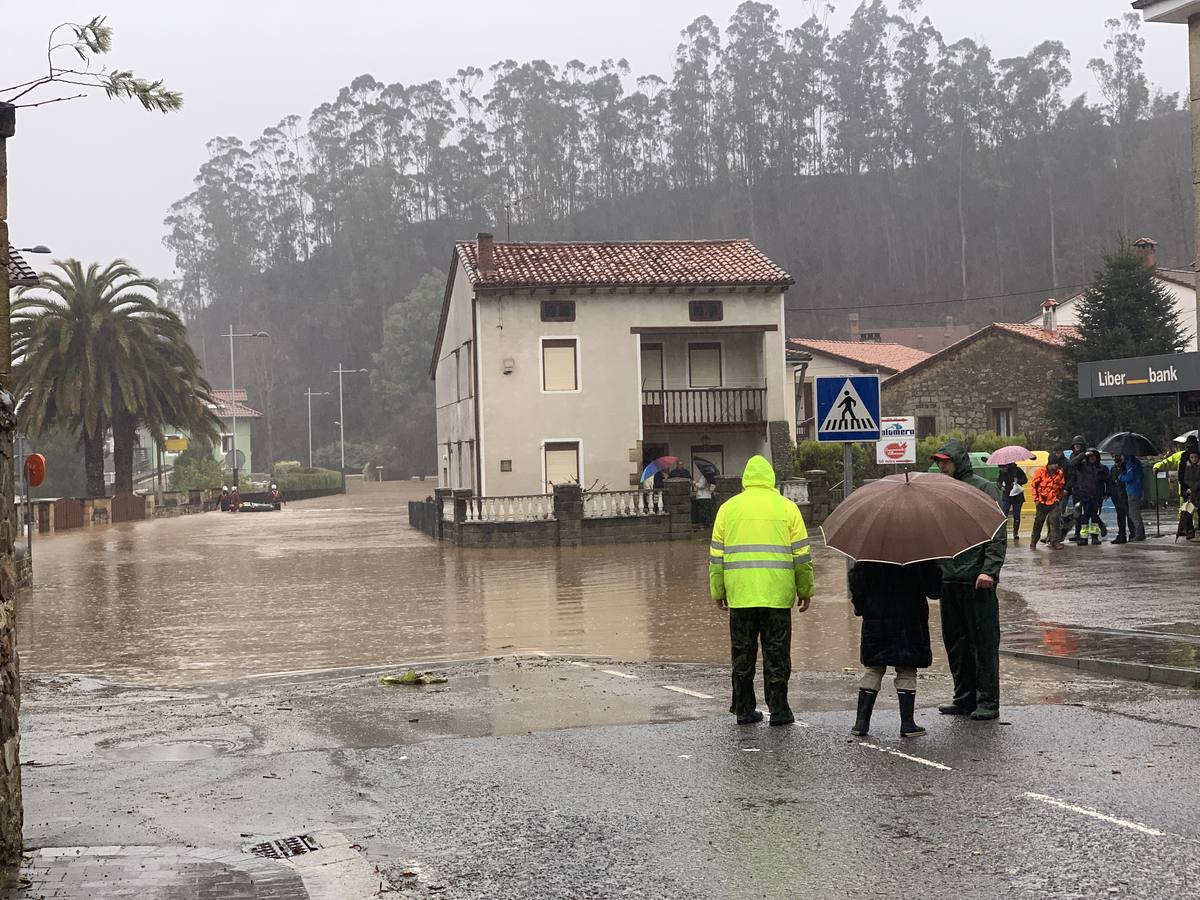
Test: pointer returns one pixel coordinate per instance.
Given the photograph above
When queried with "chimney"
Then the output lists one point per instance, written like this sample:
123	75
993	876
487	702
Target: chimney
485	253
1147	249
854	332
1050	315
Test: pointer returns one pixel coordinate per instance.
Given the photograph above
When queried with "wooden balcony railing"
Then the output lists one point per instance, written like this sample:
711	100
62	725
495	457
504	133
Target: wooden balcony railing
709	406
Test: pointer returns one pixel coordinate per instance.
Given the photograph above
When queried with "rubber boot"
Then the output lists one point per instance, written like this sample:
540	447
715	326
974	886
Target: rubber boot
750	718
866	703
908	703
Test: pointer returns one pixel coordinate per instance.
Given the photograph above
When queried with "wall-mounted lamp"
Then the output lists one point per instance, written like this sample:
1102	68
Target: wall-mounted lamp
508	365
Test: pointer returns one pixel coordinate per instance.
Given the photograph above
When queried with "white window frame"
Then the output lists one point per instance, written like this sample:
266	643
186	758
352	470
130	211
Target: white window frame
542	363
546	489
721	344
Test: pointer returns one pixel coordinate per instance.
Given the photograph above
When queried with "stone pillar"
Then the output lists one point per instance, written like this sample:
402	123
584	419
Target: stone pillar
568	510
782	454
439	527
678	498
727	486
11	815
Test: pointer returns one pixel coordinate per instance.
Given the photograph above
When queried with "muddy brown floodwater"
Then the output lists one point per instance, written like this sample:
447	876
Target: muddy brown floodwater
344	581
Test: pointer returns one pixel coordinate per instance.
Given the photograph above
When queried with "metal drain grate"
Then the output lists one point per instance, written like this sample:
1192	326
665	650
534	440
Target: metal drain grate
283	848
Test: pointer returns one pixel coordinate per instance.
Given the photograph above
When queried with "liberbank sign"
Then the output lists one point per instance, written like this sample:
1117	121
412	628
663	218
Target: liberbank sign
1167	374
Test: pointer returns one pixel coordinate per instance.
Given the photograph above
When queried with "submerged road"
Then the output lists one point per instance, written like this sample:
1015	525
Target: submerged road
213	681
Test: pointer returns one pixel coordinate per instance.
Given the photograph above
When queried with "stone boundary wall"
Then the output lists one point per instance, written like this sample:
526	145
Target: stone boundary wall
568	528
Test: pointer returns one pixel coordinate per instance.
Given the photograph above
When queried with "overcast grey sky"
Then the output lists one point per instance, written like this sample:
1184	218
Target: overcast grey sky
94	178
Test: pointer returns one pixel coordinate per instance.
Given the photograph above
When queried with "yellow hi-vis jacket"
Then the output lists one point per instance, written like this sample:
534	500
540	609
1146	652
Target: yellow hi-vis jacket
760	554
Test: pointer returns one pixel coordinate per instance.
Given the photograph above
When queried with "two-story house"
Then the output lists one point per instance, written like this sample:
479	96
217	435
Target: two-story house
580	362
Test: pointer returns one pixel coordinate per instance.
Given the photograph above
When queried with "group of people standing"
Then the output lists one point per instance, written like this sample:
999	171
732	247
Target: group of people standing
1080	484
760	568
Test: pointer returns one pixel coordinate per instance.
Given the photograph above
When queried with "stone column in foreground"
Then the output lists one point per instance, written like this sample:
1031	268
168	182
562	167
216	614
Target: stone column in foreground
11	815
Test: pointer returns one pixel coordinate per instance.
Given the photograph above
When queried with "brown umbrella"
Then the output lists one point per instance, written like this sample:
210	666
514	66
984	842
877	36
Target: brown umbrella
905	519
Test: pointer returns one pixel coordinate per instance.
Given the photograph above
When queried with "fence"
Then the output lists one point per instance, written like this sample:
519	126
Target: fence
128	508
623	504
529	508
68	513
718	406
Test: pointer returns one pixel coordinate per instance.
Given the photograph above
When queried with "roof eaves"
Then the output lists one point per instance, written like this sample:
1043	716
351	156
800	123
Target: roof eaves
848	359
455	258
20	274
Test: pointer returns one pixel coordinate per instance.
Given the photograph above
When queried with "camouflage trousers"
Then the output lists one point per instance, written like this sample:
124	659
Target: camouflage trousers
748	627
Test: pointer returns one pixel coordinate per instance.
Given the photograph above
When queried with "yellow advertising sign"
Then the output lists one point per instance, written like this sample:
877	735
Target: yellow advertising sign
175	445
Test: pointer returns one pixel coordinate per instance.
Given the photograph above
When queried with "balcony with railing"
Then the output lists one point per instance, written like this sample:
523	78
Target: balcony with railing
742	407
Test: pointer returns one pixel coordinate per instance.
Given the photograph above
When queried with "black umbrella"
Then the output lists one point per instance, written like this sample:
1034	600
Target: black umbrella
1128	443
710	472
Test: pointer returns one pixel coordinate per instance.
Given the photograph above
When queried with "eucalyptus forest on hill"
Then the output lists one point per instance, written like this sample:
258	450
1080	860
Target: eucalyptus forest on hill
893	170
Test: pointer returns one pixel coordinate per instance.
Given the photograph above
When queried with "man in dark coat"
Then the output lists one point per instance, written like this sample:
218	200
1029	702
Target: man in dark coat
1074	464
970	608
891	600
1091	489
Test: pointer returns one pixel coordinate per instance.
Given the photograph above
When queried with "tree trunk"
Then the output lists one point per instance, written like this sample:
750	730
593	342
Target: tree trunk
93	463
962	219
124	434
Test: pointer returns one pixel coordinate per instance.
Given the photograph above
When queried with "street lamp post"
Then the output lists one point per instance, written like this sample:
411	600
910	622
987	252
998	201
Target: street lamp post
310	393
339	371
233	395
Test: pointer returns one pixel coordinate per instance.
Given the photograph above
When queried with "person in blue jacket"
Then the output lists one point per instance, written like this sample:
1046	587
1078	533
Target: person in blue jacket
1131	478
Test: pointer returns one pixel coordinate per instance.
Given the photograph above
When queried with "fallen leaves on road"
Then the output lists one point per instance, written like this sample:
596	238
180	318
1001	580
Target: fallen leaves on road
411	678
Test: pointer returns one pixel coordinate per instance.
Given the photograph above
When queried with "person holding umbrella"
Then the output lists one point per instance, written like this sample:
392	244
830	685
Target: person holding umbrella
1125	481
970	607
759	567
897	530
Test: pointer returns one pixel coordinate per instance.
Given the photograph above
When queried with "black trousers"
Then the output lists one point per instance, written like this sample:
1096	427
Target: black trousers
971	630
748	627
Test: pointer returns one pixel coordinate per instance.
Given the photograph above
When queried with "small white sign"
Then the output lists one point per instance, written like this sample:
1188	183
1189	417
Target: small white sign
897	441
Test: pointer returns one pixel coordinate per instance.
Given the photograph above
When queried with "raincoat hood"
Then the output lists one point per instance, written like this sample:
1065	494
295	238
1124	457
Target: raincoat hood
955	449
758	474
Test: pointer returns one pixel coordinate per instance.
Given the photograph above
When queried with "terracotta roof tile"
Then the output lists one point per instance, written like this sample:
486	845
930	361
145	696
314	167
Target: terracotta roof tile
893	357
19	272
734	263
231	403
1055	338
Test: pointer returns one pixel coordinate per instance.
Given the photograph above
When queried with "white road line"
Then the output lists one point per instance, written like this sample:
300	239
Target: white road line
618	674
1095	814
916	759
800	724
581	665
751	750
680	690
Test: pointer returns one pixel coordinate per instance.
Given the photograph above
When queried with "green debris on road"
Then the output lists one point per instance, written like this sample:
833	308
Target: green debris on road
411	678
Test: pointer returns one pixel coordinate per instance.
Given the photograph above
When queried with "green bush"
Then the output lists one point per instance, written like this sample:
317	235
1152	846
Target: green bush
990	442
306	479
286	465
199	472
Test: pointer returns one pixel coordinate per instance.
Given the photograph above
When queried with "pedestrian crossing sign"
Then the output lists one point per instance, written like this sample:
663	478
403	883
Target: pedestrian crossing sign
847	408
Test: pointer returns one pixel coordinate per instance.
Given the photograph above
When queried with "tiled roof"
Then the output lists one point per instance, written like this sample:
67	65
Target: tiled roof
1055	338
1184	277
19	273
233	403
893	357
733	263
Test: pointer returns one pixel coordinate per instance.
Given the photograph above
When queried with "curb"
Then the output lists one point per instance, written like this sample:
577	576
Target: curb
1168	675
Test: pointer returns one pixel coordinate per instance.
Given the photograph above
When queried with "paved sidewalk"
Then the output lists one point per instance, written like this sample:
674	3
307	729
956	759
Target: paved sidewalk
151	873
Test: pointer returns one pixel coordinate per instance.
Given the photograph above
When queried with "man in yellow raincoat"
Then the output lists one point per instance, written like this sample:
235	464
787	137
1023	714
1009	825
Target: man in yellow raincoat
759	563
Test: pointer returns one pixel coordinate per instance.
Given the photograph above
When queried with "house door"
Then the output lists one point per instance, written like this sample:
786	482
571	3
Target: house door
562	464
652	367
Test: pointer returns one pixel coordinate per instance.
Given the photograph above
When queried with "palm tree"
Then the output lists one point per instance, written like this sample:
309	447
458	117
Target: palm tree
95	351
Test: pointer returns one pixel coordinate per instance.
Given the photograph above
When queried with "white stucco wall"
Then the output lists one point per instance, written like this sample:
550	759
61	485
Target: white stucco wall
1184	299
454	391
605	414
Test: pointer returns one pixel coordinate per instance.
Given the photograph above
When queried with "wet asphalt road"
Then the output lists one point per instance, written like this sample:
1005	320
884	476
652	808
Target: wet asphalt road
532	777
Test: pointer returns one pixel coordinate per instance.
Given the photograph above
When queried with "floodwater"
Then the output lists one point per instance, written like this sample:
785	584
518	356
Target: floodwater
344	581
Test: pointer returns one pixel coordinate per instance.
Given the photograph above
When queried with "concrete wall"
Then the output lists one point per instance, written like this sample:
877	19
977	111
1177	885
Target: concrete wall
454	391
604	415
244	444
960	388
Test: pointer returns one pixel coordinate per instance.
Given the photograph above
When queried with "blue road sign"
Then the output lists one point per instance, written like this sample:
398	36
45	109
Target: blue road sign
847	408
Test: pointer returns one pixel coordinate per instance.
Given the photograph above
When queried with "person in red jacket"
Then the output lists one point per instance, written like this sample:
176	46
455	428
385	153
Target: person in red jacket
1049	486
275	496
235	499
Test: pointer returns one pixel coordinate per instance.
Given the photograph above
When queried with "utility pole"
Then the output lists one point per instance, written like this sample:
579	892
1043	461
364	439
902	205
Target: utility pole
340	371
310	393
233	397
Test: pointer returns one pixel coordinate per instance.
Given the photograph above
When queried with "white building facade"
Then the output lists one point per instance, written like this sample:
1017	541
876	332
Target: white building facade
581	362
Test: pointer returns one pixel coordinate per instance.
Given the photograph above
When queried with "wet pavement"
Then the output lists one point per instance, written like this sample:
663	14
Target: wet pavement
213	682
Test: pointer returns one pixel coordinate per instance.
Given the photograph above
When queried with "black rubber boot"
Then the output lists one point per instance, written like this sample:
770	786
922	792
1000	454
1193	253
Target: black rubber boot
953	709
866	703
908	703
752	719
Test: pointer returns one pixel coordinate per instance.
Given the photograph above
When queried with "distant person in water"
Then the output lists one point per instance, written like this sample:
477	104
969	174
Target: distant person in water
275	496
223	499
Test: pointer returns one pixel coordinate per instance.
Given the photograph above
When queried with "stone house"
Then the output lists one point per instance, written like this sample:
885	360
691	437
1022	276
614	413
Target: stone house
578	362
993	380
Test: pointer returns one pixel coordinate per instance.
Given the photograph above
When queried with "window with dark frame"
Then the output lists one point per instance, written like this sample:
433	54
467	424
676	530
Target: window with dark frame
558	310
926	426
706	310
1004	421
